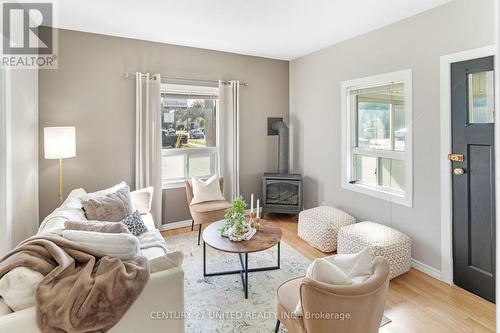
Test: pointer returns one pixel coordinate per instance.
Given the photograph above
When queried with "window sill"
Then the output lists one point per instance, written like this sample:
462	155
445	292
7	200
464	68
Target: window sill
173	185
179	183
400	199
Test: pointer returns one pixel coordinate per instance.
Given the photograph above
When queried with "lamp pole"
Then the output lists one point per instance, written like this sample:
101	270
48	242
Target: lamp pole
60	182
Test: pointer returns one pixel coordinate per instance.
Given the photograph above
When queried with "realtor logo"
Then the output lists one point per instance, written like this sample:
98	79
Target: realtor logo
28	39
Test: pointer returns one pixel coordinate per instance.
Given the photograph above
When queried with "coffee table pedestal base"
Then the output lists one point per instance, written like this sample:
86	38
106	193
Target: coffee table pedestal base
244	268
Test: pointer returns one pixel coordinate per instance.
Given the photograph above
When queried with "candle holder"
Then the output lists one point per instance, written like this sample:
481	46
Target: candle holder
251	220
257	223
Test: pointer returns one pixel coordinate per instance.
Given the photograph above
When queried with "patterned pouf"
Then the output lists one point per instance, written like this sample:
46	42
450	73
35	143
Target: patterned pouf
319	226
385	242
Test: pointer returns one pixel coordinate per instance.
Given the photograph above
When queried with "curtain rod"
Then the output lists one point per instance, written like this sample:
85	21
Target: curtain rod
164	77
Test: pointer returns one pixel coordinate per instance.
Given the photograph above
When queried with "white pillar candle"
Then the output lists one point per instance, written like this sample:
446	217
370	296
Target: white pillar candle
258	215
251	203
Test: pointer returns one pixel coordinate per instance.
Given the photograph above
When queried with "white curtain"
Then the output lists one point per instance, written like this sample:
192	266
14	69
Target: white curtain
229	100
148	139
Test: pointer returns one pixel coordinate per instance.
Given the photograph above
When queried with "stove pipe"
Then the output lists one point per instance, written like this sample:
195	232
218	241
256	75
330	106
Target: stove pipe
282	129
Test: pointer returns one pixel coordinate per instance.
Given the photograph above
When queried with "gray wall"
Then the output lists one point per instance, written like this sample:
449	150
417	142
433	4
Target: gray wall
417	42
89	91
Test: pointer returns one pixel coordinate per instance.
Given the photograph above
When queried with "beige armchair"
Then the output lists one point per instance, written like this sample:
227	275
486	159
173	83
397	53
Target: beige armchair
363	303
205	212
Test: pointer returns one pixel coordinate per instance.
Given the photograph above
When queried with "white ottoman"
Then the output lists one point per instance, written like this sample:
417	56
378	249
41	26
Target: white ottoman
385	242
319	226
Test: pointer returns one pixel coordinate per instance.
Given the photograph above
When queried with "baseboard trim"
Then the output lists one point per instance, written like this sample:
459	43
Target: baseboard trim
175	225
420	266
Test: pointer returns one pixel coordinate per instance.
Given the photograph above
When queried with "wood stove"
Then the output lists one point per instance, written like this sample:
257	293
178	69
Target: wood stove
282	191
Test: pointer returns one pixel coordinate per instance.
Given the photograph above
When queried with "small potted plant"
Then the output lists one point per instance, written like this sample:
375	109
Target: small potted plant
235	218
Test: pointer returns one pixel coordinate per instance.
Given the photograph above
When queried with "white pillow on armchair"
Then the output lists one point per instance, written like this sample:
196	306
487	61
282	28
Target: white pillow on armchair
340	269
208	190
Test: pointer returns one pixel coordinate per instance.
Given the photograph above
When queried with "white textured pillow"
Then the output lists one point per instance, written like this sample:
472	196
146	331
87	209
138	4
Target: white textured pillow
4	308
73	199
106	191
70	209
141	199
54	223
208	190
340	269
359	265
18	287
123	246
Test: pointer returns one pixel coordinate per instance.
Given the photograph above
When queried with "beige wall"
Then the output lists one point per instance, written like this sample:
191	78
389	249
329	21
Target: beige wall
175	198
89	91
418	43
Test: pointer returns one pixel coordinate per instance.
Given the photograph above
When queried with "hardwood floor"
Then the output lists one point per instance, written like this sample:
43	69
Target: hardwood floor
416	301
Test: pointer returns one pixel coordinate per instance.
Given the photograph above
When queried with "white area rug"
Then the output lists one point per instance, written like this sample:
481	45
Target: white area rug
218	304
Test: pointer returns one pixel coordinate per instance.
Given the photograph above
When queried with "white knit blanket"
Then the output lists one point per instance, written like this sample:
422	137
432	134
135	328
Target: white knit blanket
152	238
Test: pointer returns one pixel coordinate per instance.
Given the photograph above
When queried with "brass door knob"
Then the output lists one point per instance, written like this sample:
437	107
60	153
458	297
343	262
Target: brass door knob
458	171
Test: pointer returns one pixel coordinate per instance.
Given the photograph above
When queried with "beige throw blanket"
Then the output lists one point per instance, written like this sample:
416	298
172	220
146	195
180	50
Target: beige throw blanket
83	290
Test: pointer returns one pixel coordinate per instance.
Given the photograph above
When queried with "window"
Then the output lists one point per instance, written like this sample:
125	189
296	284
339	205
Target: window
189	125
481	89
377	136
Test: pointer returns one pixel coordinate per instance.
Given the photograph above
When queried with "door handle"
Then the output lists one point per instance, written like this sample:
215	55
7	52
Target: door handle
456	157
458	171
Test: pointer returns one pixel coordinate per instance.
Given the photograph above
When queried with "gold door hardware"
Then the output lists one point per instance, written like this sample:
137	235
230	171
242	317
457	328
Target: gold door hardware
458	171
456	157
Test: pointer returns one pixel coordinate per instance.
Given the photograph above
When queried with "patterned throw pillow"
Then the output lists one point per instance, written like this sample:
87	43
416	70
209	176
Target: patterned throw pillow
135	224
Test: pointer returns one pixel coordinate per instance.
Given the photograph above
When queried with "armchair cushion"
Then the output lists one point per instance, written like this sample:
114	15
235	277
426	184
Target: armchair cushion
210	206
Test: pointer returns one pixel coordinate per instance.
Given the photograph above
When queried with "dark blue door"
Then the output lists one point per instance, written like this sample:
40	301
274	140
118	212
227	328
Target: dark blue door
473	169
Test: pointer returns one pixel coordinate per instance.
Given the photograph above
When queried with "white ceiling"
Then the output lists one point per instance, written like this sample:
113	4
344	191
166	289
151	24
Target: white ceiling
281	29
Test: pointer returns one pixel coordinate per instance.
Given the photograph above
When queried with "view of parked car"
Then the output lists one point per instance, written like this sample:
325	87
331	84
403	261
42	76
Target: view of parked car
196	134
170	139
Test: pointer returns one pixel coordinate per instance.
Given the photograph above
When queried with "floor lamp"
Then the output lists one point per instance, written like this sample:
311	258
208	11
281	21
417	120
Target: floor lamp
59	143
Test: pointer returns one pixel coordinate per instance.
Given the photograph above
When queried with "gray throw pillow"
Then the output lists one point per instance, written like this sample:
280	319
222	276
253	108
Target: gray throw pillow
112	207
135	224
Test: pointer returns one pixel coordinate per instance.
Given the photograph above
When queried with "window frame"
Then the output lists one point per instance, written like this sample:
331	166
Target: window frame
349	138
198	92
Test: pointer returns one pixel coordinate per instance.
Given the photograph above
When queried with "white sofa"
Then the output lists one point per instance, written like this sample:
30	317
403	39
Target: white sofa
160	306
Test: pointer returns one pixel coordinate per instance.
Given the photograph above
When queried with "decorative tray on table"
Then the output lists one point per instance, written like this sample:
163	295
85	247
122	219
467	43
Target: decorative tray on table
246	235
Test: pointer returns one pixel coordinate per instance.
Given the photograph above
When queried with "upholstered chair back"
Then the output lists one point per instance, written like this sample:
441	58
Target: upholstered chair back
363	303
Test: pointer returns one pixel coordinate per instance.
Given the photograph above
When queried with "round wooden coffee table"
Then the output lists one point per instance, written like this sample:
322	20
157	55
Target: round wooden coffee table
268	236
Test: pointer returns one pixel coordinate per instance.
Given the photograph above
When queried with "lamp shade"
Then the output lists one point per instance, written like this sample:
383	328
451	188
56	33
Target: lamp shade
59	142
